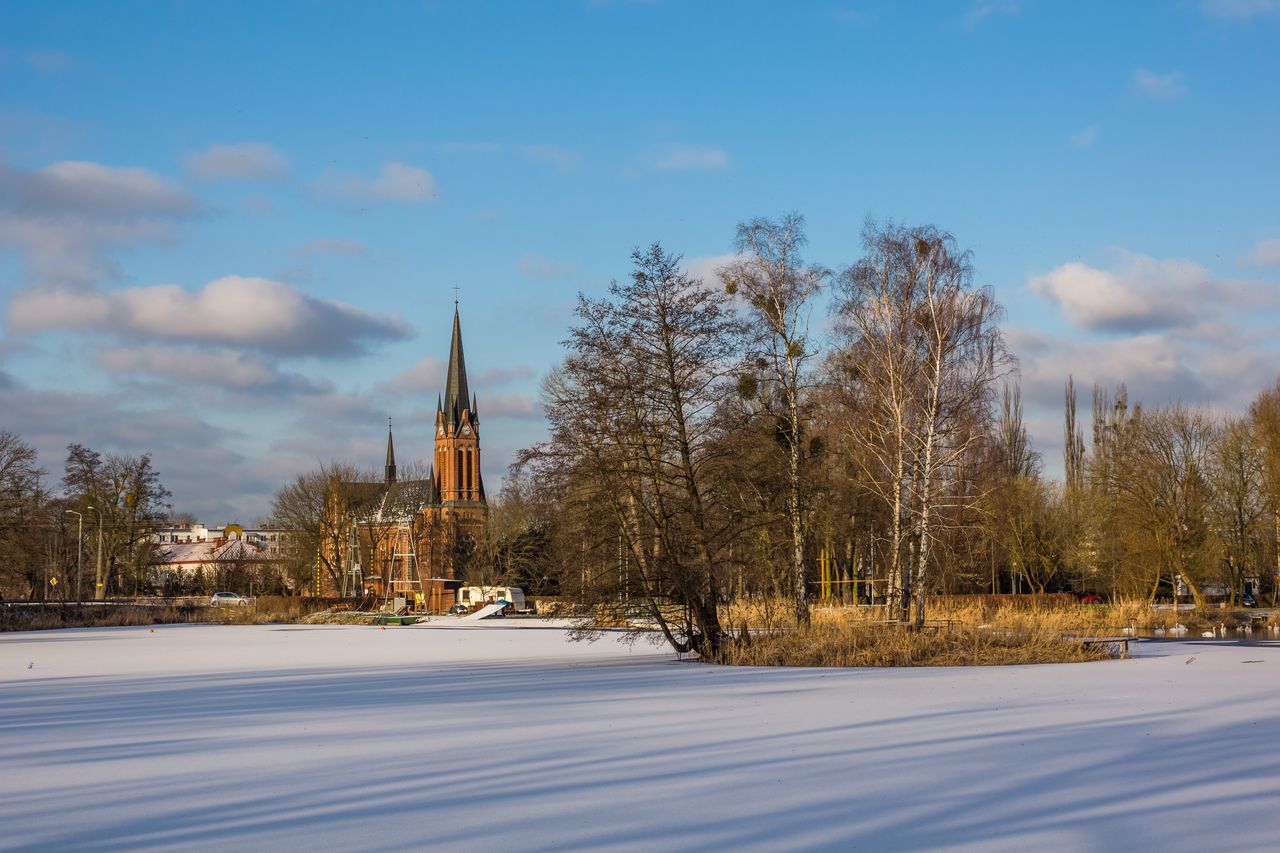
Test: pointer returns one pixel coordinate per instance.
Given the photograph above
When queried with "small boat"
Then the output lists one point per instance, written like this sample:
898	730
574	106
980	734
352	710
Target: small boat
398	620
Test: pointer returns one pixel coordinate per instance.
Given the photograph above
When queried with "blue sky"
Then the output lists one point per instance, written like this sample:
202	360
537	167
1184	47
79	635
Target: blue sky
230	233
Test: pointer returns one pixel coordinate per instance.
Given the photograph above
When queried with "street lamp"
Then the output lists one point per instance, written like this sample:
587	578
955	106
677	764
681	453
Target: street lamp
79	549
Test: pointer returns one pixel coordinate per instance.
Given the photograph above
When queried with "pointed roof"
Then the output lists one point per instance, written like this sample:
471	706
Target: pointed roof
456	395
391	457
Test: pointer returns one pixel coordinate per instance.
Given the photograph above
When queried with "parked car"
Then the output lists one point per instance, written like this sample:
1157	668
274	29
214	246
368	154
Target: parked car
1088	598
459	609
229	599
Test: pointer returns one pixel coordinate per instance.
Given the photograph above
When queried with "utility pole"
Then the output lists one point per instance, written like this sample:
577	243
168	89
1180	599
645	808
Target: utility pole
100	584
79	550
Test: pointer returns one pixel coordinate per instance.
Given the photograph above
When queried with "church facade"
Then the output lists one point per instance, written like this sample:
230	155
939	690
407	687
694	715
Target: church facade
414	539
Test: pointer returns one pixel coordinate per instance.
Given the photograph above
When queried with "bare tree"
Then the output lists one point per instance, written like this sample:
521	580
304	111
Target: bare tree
925	346
24	511
1264	417
314	508
1162	498
126	496
1239	508
634	434
1033	530
771	277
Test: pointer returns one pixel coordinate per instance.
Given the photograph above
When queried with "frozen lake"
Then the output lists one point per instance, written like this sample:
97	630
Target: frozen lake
295	737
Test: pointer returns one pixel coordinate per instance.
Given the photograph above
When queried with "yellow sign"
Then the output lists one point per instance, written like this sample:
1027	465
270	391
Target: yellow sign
53	581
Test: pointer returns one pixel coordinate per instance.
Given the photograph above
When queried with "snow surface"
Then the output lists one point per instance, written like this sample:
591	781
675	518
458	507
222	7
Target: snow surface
506	736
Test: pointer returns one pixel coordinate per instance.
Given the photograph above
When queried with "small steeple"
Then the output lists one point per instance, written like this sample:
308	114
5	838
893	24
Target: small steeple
475	418
391	456
455	390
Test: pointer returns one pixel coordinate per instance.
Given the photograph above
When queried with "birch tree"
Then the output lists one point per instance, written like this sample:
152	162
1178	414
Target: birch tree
925	345
776	284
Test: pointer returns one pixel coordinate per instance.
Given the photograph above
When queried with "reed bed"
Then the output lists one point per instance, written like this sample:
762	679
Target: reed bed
266	609
53	616
1053	613
892	645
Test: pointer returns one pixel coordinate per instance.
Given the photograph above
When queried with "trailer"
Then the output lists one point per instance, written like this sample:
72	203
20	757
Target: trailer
476	596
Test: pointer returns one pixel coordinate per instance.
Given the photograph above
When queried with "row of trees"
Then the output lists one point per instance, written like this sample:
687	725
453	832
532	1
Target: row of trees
96	527
702	445
91	538
1164	499
705	445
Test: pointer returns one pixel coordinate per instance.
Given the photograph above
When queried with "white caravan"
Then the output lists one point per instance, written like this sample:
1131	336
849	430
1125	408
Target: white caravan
475	596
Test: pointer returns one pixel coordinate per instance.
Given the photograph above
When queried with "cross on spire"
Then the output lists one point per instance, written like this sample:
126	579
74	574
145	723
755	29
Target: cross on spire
455	296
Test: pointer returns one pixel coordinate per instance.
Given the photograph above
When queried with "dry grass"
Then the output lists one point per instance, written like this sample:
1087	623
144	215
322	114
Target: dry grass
337	617
266	609
95	616
1053	613
891	645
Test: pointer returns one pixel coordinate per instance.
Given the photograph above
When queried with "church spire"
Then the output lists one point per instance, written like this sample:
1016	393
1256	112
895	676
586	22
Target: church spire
391	456
456	395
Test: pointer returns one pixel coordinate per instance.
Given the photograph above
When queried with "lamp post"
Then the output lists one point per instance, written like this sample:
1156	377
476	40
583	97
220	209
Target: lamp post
100	588
79	549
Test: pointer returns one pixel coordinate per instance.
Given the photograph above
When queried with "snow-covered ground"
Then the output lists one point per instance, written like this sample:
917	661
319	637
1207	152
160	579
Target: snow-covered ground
506	737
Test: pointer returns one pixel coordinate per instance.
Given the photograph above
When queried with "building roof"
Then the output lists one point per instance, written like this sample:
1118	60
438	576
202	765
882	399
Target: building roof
456	396
217	551
391	457
397	501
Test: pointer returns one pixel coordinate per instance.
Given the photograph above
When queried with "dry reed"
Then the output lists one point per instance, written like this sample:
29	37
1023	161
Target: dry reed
891	645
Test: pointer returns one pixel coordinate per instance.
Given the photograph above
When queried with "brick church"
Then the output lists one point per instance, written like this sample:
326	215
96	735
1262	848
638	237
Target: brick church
413	539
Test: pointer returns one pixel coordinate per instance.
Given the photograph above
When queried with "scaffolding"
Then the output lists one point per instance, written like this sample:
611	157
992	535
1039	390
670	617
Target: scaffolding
402	580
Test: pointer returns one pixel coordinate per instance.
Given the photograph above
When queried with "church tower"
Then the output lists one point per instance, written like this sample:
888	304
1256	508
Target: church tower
390	475
457	458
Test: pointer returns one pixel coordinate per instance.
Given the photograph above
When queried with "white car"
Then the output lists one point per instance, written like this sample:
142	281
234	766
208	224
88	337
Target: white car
225	599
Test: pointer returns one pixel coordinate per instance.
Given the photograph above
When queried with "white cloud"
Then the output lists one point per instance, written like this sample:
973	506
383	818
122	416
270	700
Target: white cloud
219	367
1221	365
244	161
1085	138
235	311
394	182
82	188
983	9
1143	293
66	218
540	266
426	376
515	406
706	267
672	158
1240	10
1160	87
1267	253
497	376
73	251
